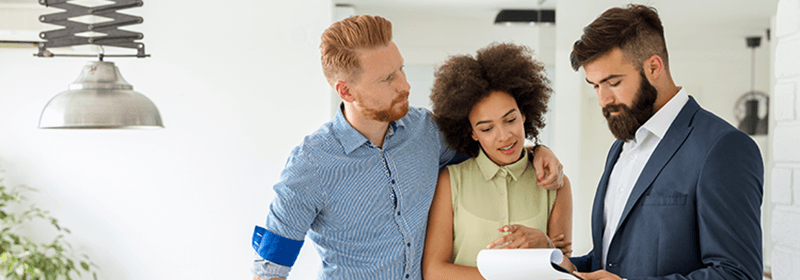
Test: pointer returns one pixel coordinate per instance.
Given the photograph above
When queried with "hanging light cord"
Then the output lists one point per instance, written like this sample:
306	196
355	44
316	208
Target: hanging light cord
753	71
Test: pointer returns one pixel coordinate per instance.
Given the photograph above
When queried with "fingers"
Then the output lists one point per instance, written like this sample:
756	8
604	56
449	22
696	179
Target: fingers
538	165
540	174
519	240
560	175
550	179
597	275
521	237
519	243
500	242
588	275
561	244
566	251
552	167
554	177
515	233
548	168
549	182
509	228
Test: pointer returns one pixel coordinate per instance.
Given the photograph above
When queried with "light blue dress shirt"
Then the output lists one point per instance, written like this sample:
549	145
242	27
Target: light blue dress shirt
365	207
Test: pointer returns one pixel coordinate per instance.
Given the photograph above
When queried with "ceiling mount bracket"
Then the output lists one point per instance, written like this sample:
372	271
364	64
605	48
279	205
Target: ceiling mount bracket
67	36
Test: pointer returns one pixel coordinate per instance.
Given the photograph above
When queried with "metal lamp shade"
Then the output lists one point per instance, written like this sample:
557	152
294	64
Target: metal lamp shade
100	98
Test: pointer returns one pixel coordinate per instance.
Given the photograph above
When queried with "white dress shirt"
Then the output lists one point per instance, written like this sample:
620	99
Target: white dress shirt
635	154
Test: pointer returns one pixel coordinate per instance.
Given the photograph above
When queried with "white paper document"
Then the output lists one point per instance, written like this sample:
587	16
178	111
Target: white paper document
521	264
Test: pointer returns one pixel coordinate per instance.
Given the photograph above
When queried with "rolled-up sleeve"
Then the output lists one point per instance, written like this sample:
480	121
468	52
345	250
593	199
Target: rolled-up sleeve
298	200
265	269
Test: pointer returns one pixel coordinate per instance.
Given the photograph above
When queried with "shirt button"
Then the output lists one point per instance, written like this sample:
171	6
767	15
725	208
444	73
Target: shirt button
398	213
502	192
408	275
502	216
392	182
408	244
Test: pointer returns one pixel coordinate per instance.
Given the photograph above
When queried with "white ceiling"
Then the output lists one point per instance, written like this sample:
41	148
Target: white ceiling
33	2
450	4
711	10
685	21
733	18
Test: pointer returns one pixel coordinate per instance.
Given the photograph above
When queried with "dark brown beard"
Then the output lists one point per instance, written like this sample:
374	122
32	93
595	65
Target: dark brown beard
627	122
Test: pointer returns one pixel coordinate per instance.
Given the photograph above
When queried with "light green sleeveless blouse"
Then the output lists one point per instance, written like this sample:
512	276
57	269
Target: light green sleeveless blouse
486	197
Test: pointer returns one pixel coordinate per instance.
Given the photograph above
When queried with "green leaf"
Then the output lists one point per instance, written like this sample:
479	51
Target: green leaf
20	257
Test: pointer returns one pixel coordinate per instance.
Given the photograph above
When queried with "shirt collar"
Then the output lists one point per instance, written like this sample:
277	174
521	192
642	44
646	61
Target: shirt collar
349	137
661	120
491	169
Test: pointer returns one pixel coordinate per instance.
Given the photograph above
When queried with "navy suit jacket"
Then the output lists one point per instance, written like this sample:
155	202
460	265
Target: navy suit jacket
694	212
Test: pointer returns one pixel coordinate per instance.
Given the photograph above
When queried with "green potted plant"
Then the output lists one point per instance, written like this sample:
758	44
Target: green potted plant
20	257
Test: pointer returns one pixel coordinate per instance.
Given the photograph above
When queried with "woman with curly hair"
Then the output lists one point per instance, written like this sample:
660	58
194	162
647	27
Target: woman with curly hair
486	107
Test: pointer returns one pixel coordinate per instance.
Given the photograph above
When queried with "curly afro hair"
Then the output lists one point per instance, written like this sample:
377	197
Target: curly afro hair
463	81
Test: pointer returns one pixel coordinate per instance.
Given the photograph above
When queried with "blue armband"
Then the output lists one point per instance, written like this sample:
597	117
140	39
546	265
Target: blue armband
276	248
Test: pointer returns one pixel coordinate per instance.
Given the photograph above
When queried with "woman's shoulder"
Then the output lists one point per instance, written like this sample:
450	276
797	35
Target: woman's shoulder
464	167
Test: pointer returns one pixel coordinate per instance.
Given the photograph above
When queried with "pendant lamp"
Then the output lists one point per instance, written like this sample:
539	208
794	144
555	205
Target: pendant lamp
747	106
100	98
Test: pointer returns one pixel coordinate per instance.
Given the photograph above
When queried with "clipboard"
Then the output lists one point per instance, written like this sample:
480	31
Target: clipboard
562	269
523	264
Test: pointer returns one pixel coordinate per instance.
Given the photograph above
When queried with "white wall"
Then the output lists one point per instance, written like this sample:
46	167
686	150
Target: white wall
427	37
238	85
785	185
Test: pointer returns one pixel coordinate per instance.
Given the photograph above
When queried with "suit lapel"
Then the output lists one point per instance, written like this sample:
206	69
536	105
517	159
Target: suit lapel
599	200
676	135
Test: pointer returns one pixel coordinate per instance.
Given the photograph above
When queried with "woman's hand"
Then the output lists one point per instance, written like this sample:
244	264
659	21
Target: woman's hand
520	236
563	245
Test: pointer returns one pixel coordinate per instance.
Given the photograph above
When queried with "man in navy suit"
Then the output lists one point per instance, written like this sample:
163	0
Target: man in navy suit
681	193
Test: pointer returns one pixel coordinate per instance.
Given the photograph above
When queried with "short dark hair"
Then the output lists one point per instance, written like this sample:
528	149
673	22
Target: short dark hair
463	81
636	30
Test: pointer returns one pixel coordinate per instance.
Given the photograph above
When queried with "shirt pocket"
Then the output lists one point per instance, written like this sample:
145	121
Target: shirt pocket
664	200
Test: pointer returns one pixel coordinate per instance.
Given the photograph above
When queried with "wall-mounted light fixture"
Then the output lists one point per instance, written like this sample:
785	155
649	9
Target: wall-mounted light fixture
531	17
100	97
747	106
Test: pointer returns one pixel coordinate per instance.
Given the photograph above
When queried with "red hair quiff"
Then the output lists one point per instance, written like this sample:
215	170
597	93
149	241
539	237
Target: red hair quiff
342	41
